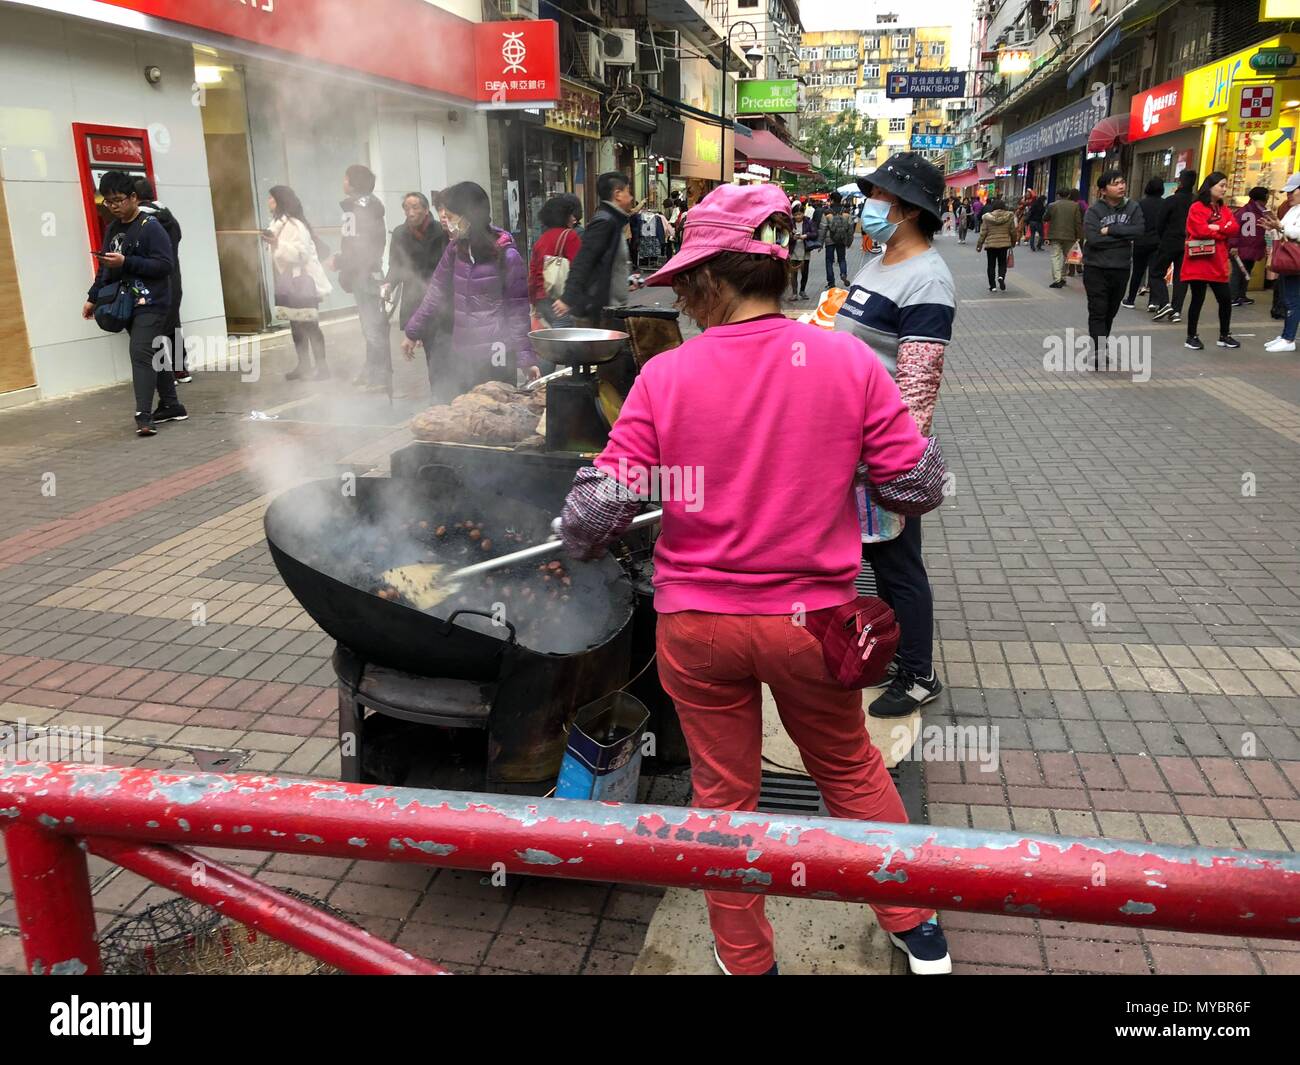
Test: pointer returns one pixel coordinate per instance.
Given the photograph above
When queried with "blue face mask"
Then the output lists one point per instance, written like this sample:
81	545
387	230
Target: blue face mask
875	220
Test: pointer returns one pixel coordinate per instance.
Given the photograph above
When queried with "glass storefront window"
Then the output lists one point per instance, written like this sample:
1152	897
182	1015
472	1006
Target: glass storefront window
1067	171
1249	160
547	172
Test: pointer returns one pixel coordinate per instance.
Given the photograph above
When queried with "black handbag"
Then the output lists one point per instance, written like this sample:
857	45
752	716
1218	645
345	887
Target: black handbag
114	306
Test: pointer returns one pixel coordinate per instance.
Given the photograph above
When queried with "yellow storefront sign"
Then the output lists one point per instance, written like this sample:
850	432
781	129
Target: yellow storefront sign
1207	90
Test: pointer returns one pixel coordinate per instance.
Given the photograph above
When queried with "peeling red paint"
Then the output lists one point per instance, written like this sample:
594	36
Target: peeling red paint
1097	881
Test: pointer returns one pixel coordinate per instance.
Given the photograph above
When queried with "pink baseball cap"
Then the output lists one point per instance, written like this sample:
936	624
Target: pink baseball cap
725	220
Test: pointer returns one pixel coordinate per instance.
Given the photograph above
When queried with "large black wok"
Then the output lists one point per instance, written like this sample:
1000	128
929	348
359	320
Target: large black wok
330	546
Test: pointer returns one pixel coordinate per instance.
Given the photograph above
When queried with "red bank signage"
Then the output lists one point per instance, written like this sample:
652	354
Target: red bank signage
409	41
115	151
1156	111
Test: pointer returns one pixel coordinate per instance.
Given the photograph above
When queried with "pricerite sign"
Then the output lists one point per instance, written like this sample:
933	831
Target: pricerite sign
494	64
1156	111
754	97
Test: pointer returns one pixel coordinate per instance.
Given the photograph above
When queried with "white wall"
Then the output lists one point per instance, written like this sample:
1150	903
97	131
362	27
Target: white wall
55	71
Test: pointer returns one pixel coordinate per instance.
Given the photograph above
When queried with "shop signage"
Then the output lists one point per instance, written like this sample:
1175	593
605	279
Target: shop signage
577	113
1061	131
757	170
1155	111
701	151
767	97
1279	9
1206	89
933	140
1014	62
1001	171
495	64
1253	109
122	152
926	83
1267	60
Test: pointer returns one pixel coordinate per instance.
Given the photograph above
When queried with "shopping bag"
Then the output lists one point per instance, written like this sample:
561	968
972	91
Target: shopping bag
1011	258
1075	256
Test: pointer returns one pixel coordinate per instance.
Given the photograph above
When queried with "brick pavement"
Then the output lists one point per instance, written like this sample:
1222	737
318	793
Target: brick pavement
1106	597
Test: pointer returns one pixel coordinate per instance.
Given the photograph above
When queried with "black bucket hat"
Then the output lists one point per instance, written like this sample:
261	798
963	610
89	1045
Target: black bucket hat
913	179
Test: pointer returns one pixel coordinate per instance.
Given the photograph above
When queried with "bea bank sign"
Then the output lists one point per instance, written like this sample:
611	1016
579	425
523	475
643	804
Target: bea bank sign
1156	111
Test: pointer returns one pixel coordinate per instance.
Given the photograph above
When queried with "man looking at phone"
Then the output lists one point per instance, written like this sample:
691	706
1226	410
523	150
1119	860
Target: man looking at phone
137	254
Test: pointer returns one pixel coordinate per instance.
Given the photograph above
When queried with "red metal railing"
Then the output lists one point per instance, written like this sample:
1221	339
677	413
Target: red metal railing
54	813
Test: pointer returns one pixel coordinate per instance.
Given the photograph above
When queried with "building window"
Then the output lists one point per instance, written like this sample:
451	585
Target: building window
871	72
842	51
898	125
936	48
902	42
748	3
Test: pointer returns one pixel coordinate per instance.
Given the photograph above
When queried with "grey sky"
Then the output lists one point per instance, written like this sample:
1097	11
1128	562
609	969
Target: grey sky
861	14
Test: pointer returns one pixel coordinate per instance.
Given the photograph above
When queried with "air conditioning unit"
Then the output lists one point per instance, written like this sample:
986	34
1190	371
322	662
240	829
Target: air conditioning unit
1020	37
591	56
619	48
512	9
649	56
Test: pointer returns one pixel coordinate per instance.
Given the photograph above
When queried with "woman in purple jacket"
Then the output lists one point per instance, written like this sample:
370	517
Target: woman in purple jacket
485	280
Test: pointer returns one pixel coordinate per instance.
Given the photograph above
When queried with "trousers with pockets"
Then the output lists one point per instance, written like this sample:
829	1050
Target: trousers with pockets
714	666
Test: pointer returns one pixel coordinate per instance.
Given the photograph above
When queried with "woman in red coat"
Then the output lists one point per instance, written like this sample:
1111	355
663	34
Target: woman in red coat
1210	224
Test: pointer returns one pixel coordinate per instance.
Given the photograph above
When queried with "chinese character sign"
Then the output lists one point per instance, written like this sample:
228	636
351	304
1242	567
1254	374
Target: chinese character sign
939	141
917	84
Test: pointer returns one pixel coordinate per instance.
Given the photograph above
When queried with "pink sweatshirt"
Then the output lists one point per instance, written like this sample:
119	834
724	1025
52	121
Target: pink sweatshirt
755	431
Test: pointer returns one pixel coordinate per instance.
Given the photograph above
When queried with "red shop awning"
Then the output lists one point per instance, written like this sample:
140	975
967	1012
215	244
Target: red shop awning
767	150
1107	133
972	175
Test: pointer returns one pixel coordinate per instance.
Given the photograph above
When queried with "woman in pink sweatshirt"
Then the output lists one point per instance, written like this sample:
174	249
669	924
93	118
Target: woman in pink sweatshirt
749	435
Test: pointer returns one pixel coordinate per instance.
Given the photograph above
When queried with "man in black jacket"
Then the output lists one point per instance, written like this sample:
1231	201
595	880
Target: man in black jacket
1034	216
149	205
417	247
1145	246
598	275
359	263
1172	235
137	254
1110	226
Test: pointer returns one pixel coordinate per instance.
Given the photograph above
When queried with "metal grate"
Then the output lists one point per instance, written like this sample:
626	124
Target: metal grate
789	793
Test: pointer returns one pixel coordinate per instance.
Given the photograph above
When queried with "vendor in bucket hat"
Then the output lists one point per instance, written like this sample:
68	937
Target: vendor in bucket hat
731	218
913	179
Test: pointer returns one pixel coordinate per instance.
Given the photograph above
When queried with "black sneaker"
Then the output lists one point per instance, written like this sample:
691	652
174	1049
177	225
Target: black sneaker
175	413
144	425
926	948
1163	312
1002	283
1194	343
184	378
1130	305
1175	317
1228	341
906	693
1057	284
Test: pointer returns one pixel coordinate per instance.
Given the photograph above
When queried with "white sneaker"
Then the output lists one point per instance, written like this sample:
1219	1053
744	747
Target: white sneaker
1278	344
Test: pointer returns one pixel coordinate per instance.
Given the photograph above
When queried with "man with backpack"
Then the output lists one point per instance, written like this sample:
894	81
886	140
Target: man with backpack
130	292
149	205
836	234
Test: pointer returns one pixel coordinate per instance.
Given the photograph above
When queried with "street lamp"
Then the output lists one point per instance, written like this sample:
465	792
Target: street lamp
752	55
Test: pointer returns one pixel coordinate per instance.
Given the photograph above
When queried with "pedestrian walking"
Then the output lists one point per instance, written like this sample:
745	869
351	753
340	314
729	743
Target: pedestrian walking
1172	232
1210	225
997	237
130	293
726	579
553	255
599	275
149	205
1034	215
1110	227
1288	233
803	241
483	279
963	219
835	234
1144	247
359	263
1254	219
902	306
415	249
300	281
1064	230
